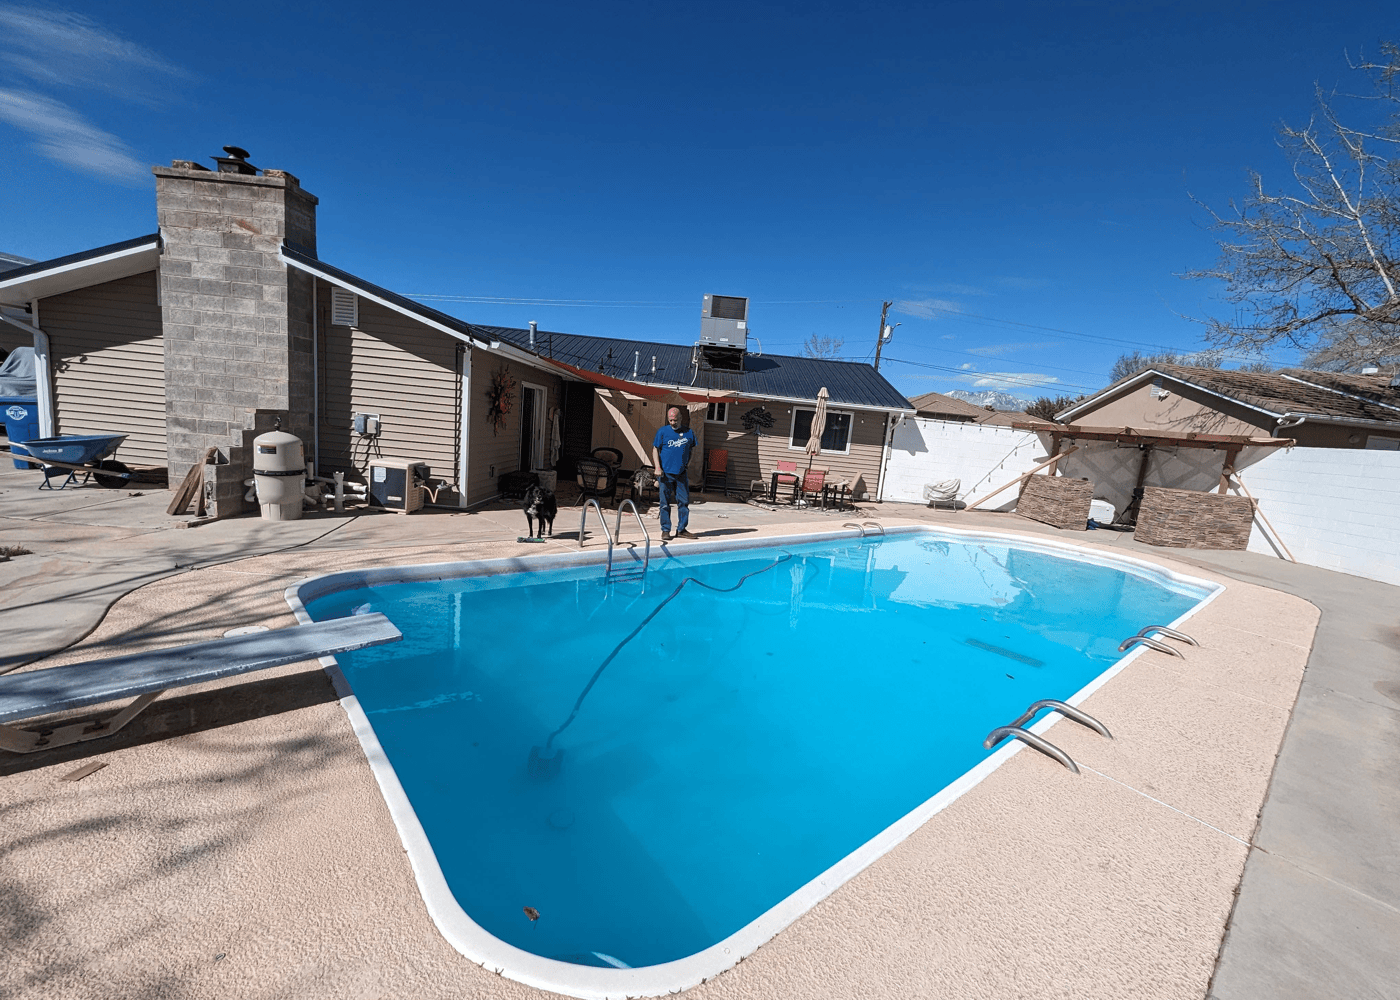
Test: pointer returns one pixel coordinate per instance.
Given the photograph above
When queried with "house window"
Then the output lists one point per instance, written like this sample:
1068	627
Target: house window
345	307
836	439
717	413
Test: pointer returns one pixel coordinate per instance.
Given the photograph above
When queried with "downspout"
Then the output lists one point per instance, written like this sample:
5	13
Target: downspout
315	375
464	450
884	458
43	389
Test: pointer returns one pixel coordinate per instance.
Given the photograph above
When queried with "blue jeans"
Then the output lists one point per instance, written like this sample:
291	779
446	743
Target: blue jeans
674	489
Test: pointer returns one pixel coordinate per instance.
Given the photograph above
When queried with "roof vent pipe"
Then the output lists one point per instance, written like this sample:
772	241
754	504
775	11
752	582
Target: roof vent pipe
533	326
653	368
636	363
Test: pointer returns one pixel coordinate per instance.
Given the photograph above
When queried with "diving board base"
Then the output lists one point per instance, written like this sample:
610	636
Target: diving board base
18	740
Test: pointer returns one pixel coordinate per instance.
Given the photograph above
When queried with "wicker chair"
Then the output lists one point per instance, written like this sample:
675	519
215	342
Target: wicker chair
595	479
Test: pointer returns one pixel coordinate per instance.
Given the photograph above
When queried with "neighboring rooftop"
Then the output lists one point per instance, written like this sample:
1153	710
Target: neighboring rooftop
1358	397
935	404
10	261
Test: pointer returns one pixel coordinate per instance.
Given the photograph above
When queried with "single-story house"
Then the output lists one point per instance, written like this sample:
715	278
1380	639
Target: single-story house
1316	409
201	335
941	407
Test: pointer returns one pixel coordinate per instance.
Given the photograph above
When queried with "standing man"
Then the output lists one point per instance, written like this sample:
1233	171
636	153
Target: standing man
670	454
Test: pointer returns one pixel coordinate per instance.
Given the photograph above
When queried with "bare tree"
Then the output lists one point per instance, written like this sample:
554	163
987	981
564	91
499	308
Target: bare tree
822	347
1317	268
1045	407
1136	361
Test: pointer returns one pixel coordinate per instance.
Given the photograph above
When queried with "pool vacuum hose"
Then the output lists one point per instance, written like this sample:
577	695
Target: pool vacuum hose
545	761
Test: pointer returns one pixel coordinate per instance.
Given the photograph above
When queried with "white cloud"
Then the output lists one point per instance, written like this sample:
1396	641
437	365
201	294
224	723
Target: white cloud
948	336
926	308
995	350
1012	381
966	366
55	49
63	135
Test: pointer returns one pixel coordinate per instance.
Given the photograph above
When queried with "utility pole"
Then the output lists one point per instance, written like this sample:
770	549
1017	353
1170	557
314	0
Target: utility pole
880	338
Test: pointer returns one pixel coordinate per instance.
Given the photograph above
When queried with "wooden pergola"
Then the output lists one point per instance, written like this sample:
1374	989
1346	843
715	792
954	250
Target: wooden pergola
1144	440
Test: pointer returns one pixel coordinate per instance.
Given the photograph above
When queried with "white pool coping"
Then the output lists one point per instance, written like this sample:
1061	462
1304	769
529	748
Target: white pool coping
490	952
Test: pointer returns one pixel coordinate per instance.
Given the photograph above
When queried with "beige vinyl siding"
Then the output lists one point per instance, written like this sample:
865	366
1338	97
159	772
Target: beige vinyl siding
395	367
753	457
496	452
109	364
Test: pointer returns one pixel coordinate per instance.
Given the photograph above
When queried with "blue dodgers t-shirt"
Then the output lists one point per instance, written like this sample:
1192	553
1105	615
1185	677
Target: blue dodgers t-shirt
674	448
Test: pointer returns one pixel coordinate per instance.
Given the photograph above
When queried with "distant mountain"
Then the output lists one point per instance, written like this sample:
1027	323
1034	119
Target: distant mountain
994	398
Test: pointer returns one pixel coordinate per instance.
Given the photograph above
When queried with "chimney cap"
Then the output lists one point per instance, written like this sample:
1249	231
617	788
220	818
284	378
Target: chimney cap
236	152
236	162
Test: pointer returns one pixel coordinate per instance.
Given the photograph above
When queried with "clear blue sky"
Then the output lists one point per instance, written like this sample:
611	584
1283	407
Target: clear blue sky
1016	177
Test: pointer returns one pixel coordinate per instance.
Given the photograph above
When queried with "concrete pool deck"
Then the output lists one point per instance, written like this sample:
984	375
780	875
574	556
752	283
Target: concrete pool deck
238	846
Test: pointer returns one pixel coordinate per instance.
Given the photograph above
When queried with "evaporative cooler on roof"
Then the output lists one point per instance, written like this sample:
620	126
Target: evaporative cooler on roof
724	332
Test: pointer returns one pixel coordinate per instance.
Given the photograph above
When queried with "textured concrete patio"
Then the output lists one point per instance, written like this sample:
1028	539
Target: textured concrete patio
237	845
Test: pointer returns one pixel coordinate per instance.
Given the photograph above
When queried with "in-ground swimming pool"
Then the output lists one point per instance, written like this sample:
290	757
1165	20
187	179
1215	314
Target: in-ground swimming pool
662	777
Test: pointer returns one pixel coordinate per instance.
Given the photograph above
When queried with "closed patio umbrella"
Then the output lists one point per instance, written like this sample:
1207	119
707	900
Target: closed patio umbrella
814	441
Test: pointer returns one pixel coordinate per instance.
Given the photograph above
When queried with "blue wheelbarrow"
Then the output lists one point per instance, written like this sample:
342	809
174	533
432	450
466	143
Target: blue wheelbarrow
89	454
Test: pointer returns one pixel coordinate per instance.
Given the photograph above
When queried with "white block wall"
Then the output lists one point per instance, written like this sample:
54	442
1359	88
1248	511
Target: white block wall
1338	508
983	456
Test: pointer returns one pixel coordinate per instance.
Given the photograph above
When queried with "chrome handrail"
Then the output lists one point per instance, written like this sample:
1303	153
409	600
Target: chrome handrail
872	524
857	525
1068	711
583	521
617	529
1150	643
1030	739
1170	633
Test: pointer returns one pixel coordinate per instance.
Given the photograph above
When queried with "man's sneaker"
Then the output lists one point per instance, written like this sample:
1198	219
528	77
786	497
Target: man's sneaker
665	536
684	533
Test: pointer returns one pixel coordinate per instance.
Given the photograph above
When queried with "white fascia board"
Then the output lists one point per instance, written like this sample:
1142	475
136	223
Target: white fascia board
80	274
1112	392
494	346
1342	392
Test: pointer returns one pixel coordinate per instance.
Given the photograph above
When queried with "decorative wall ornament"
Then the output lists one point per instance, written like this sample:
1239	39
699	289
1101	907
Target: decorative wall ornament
500	398
756	420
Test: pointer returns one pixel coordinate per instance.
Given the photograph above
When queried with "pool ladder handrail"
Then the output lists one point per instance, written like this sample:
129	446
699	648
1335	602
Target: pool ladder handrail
1068	711
602	523
1170	633
1150	643
1030	739
617	530
861	526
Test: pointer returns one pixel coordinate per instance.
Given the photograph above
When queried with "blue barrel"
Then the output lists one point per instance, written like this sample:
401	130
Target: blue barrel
21	418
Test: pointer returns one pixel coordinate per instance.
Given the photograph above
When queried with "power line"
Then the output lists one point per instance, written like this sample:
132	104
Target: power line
1009	379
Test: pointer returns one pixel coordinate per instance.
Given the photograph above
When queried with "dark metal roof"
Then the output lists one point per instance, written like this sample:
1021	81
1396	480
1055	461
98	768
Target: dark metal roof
10	261
78	258
773	375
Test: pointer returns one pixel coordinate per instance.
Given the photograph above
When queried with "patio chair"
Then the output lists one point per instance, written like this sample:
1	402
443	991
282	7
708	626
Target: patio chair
812	482
596	479
143	676
716	470
787	475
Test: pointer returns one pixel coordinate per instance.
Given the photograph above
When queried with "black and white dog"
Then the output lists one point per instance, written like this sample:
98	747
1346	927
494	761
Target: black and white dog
539	503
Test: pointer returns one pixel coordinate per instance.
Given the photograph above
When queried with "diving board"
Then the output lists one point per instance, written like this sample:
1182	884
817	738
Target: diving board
144	676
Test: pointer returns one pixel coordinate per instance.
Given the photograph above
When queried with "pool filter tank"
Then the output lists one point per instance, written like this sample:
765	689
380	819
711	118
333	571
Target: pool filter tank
279	474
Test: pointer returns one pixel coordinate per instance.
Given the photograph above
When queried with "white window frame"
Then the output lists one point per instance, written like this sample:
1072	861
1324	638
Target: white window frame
719	407
792	429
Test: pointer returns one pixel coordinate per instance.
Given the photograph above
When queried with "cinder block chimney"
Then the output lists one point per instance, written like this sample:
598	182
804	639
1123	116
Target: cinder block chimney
237	321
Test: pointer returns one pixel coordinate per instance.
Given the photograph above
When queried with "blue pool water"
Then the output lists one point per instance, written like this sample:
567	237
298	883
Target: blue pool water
739	745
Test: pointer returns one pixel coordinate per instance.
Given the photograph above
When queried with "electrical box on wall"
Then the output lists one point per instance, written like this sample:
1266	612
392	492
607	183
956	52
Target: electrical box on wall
367	424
